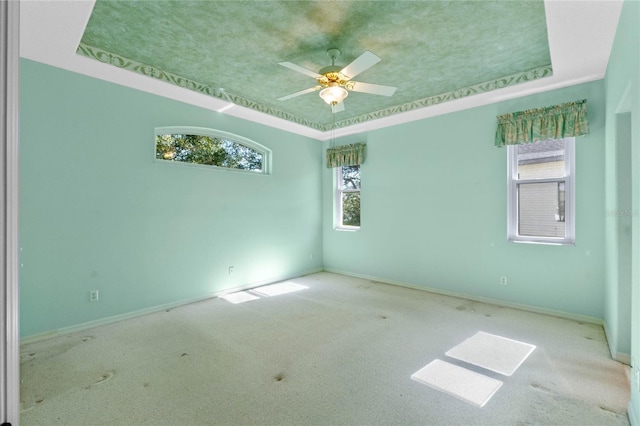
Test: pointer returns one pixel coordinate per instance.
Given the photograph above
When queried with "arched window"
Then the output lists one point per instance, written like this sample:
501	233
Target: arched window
197	145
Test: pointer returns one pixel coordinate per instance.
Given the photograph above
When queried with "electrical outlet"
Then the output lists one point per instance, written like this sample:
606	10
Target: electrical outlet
503	280
230	270
93	295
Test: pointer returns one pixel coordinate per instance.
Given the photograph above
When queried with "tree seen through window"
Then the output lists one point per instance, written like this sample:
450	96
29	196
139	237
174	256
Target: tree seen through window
350	195
208	150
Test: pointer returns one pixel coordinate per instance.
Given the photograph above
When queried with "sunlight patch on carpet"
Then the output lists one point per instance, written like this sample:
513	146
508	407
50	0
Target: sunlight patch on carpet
495	353
458	382
239	297
278	289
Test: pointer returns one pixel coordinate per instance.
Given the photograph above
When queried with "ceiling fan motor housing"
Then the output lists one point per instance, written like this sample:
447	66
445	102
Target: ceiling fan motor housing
331	76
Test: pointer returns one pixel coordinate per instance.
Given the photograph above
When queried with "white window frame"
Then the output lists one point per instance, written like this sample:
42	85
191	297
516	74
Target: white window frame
512	197
188	130
338	201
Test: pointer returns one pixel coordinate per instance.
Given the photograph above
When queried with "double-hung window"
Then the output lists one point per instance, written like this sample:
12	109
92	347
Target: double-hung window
348	197
541	187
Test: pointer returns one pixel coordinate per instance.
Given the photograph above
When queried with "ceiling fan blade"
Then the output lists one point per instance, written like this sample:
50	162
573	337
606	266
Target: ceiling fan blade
302	92
362	63
300	69
337	107
374	89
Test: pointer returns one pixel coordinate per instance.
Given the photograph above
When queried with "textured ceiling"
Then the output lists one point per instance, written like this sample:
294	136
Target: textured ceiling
432	51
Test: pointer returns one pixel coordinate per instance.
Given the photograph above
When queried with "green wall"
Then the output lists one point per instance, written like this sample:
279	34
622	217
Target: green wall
622	297
98	212
434	212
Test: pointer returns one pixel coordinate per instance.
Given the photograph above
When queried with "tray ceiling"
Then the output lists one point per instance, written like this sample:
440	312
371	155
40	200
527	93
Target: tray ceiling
441	55
431	51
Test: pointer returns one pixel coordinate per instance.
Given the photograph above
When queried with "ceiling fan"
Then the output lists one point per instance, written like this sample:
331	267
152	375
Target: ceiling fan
335	82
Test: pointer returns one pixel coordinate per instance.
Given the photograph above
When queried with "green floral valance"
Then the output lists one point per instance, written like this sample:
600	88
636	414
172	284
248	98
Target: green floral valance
346	155
555	122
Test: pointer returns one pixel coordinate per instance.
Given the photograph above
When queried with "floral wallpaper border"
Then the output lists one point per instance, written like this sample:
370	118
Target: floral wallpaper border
149	71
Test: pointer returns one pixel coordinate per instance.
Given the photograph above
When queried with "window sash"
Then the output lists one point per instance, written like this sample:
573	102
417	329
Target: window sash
216	134
513	208
546	225
339	211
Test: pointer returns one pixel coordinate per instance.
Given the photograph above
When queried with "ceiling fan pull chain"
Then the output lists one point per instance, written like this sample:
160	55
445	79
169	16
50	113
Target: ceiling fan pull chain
333	129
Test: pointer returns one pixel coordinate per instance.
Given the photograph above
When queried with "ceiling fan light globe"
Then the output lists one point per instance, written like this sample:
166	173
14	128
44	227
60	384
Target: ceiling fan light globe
333	95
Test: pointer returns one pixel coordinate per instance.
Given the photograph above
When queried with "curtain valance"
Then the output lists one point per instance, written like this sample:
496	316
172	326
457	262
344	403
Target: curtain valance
554	122
346	155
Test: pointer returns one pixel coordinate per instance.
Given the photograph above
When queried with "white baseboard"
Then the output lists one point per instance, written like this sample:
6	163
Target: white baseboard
618	356
634	418
622	357
528	308
153	309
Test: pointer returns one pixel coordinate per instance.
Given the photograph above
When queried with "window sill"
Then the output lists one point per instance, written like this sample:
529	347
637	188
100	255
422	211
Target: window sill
545	243
345	229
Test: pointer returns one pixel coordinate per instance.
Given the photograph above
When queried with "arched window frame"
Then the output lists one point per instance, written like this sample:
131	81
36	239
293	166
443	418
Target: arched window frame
203	131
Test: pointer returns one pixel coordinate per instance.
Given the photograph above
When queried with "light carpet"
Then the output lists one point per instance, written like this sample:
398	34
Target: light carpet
278	289
458	382
340	352
495	353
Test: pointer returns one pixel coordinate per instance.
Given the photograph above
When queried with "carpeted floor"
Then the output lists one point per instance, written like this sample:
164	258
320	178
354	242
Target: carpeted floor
341	351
